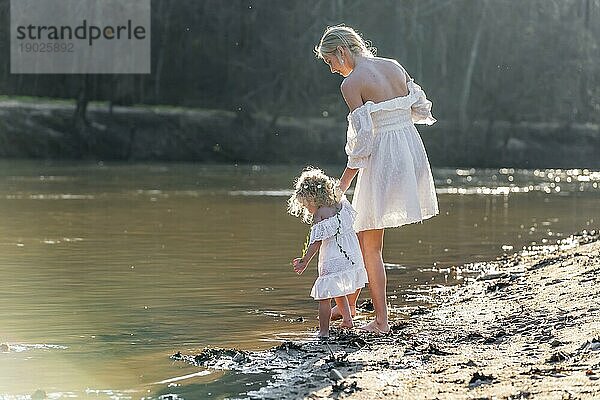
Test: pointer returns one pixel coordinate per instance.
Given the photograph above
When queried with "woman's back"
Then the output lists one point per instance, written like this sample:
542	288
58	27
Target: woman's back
380	79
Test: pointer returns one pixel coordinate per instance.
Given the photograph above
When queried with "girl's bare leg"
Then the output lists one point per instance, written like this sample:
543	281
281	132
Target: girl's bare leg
352	298
344	307
371	244
324	313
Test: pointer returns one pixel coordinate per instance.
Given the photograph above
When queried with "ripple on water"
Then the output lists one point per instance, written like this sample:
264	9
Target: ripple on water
183	377
501	182
111	394
21	347
50	196
391	266
40	394
61	240
276	193
42	178
62	196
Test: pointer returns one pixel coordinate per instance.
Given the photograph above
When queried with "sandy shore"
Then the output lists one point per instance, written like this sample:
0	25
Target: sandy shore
527	326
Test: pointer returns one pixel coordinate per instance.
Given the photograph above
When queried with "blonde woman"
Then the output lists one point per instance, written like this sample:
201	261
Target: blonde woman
394	185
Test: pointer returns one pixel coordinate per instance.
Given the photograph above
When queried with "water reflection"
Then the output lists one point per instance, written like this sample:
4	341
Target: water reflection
122	265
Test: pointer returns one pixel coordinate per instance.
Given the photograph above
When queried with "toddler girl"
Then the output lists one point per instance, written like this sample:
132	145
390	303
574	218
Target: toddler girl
341	267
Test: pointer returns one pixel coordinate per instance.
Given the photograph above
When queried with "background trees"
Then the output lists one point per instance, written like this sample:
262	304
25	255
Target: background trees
533	60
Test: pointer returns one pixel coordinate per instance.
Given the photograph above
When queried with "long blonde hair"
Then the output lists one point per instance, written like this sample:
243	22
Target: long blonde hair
344	36
312	187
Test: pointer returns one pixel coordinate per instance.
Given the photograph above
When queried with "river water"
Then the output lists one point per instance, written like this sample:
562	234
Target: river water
108	269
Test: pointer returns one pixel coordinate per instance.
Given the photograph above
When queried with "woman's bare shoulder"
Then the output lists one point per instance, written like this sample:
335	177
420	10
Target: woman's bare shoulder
394	64
354	82
387	59
351	88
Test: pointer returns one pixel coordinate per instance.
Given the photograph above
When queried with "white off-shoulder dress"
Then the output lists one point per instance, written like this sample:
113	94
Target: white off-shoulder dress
339	274
394	185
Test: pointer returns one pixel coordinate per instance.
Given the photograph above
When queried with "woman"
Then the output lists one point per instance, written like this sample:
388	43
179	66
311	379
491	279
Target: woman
394	185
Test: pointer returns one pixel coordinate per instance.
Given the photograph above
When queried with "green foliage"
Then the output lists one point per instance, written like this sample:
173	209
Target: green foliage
305	246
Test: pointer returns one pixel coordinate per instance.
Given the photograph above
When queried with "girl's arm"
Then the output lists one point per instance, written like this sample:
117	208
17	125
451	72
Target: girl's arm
347	177
300	264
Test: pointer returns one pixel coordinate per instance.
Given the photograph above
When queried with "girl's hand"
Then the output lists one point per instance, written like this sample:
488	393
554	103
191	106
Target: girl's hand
299	265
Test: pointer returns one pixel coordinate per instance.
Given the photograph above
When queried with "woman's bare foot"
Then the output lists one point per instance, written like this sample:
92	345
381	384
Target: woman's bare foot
336	314
347	324
376	327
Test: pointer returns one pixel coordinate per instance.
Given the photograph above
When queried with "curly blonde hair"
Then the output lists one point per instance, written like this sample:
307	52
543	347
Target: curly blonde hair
312	187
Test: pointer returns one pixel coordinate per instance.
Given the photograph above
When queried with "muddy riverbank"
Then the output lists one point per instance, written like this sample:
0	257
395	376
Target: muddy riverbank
45	129
523	326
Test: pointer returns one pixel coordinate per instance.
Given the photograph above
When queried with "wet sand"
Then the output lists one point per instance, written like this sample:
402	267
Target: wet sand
524	326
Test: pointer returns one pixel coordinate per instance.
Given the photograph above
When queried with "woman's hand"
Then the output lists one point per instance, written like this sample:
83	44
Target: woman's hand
338	192
299	265
342	187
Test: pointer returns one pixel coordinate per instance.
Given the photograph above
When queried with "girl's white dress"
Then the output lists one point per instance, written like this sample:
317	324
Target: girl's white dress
394	186
338	275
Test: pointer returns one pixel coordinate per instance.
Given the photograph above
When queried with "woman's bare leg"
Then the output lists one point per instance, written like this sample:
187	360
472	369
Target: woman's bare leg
344	306
324	313
371	244
352	298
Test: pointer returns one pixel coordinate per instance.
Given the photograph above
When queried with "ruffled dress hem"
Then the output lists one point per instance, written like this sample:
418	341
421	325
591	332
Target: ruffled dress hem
339	284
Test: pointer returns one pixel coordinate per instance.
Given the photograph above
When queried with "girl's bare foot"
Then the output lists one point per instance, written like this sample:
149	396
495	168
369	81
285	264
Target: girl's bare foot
323	335
376	327
336	314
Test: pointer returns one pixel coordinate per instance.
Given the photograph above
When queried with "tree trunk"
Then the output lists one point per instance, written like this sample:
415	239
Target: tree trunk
164	45
80	117
466	90
416	37
443	40
399	45
584	92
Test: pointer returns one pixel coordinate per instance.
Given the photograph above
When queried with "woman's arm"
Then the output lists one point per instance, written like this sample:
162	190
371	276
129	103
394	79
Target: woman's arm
346	179
351	92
